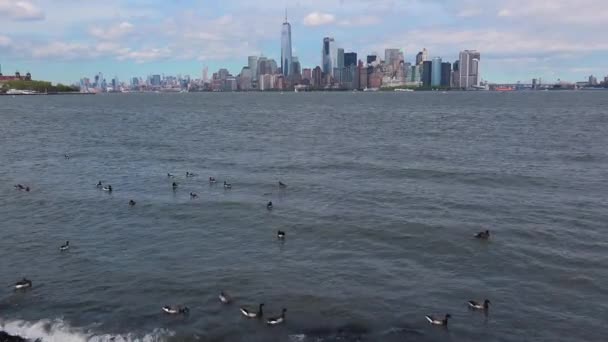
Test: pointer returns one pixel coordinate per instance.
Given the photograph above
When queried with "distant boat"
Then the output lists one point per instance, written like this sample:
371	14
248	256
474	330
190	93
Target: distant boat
370	89
404	90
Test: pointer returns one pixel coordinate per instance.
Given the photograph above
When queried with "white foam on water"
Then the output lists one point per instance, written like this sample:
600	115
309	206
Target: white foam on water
57	330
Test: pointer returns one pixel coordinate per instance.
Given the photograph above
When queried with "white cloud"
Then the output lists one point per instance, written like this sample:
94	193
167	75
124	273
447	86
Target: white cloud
112	32
145	55
5	41
364	20
60	50
20	10
505	12
469	12
319	19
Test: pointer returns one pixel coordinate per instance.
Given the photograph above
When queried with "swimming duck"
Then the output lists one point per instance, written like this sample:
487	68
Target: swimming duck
269	205
174	185
65	247
23	284
107	188
211	179
170	175
281	235
227	185
436	321
224	298
251	314
483	235
190	174
282	185
193	195
479	306
67	156
99	185
131	202
175	310
277	320
19	187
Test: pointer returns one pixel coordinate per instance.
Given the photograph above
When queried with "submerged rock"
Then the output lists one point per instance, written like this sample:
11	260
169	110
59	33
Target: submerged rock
5	337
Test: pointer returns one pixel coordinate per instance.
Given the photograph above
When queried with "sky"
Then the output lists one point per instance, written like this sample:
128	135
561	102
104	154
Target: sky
65	40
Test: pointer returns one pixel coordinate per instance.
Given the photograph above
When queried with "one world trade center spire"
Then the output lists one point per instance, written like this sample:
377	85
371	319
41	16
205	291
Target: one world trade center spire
286	57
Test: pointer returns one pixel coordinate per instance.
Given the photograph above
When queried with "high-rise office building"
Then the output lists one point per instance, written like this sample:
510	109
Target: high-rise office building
263	68
436	72
205	74
253	66
469	69
419	58
350	58
340	58
422	56
330	58
317	77
307	74
296	67
427	69
446	74
371	59
392	57
286	52
272	64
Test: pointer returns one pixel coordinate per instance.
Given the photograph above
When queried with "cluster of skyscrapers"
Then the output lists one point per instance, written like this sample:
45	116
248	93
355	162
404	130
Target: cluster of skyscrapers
341	70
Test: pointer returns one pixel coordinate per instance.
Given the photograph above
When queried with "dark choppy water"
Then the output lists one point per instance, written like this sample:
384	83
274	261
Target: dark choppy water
385	192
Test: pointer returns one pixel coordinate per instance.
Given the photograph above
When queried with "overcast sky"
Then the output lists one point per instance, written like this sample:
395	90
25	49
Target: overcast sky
64	40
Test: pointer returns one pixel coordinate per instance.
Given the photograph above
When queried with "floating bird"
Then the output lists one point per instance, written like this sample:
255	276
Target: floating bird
193	195
212	180
282	185
19	187
175	310
67	156
227	185
131	202
277	320
190	174
224	298
483	235
23	284
107	188
281	235
436	321
251	314
99	185
269	205
174	185
65	247
479	306
170	175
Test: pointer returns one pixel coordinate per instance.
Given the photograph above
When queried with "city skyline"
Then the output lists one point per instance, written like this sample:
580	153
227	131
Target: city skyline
63	40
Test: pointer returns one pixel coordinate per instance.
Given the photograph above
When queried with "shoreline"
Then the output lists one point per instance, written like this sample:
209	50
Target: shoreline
40	94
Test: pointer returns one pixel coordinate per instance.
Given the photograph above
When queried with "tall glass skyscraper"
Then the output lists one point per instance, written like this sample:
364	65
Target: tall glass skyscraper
286	58
436	72
329	58
253	66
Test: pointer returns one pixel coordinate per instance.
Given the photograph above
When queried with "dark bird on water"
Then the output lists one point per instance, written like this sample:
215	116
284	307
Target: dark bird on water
437	321
65	247
479	306
483	235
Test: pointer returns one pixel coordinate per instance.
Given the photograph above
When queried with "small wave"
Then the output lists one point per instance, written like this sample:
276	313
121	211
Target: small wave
59	331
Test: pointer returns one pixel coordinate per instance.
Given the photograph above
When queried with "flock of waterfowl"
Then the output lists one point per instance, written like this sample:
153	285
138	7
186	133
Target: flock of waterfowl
224	298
